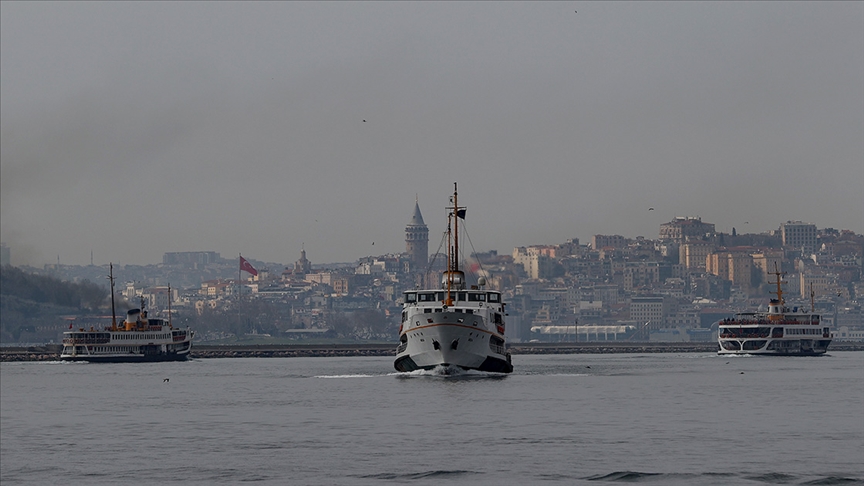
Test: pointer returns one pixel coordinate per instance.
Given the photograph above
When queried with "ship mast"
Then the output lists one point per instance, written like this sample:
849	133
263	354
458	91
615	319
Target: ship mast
453	271
812	301
169	307
777	273
113	311
451	267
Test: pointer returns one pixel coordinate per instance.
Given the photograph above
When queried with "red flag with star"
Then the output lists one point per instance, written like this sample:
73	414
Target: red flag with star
247	267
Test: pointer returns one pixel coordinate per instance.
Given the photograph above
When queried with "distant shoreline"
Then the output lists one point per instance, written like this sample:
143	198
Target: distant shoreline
51	352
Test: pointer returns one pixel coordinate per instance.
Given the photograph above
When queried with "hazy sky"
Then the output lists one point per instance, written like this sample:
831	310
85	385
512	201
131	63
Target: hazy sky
132	129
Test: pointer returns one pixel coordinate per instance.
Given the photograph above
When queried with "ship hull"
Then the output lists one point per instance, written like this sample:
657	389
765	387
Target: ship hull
142	354
126	359
451	345
775	347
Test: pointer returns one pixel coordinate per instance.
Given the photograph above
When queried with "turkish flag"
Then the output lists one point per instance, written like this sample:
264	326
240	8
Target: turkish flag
246	266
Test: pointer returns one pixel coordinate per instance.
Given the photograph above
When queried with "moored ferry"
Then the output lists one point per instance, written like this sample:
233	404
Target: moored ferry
453	327
780	331
138	338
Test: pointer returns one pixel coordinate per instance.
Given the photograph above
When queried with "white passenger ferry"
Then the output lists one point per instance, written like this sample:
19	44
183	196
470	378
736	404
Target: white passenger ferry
453	327
780	331
138	338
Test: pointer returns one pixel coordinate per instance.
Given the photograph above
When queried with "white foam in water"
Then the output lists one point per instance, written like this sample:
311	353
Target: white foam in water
347	376
449	372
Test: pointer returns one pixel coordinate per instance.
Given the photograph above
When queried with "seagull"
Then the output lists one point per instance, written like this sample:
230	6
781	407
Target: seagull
650	209
364	121
165	380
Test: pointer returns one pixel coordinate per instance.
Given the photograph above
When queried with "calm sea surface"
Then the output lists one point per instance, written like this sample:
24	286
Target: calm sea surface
558	419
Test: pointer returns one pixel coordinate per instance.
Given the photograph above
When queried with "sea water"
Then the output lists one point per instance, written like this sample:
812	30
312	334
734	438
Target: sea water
693	418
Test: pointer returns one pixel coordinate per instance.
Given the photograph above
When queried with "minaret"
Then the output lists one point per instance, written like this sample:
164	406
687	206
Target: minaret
417	240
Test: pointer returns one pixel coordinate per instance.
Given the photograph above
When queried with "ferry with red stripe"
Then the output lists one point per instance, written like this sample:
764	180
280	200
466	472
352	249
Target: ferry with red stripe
453	327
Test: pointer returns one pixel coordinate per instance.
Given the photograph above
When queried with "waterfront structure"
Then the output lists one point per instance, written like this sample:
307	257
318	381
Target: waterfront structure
648	312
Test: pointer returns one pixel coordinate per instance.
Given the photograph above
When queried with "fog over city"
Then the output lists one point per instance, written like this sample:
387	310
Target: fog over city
131	129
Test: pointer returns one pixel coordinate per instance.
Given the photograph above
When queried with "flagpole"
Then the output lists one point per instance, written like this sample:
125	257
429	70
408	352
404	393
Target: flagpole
239	270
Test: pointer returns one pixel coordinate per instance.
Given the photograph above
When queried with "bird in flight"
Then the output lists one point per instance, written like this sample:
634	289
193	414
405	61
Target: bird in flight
650	209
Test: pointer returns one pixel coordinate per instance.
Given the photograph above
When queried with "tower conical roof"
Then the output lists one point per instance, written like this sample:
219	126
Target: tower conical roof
417	219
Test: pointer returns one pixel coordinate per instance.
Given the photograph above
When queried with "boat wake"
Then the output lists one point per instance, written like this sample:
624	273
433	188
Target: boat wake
450	372
347	376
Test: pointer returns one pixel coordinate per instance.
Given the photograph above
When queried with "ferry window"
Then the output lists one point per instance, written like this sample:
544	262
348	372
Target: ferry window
458	310
469	311
411	297
427	311
493	297
476	297
460	296
442	295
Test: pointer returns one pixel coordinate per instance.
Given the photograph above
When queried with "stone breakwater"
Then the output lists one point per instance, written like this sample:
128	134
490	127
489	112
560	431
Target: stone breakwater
52	352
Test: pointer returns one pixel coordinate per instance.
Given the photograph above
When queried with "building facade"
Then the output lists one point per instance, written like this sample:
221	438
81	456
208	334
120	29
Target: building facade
798	235
682	228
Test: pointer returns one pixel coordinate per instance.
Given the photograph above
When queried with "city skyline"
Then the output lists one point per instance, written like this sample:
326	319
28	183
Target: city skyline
410	251
134	129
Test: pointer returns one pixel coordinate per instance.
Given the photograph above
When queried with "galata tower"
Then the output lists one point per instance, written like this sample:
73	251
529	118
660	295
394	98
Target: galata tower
417	240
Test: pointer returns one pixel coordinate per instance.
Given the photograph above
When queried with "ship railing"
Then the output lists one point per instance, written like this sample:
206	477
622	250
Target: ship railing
86	341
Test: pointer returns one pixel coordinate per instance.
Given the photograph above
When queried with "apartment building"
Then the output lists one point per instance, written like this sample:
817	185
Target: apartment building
798	235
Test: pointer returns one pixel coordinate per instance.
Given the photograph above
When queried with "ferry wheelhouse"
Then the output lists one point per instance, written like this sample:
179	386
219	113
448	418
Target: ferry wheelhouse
453	326
780	331
138	338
